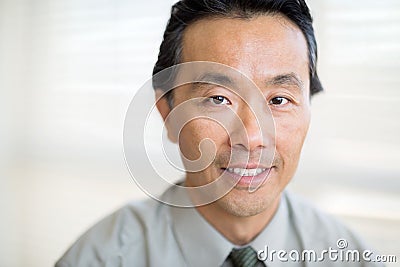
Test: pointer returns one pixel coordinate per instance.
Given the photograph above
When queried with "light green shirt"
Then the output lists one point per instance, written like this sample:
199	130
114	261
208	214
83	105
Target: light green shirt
150	233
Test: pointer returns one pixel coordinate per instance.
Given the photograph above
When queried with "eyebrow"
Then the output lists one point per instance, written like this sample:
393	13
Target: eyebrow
290	79
208	79
215	78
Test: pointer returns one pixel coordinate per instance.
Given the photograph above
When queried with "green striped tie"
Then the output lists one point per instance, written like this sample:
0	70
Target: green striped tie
244	257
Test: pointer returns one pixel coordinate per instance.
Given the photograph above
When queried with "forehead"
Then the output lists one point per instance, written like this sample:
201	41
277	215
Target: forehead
263	45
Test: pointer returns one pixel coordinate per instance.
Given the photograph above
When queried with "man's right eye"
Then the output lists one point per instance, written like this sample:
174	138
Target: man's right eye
219	100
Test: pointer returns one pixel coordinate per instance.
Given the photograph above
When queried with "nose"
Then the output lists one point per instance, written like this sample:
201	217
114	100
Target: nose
251	129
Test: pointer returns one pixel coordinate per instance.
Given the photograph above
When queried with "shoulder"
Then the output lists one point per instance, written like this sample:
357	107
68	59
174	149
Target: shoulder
109	240
319	231
316	226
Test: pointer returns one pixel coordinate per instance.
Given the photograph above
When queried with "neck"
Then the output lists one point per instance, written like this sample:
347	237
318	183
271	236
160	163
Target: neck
237	229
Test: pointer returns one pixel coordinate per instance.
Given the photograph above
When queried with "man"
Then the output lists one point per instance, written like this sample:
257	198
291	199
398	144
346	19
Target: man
257	136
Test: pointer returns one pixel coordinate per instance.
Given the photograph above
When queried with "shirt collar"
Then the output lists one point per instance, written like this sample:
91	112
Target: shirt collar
192	230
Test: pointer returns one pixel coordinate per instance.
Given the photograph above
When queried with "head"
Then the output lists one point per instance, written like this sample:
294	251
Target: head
185	13
272	43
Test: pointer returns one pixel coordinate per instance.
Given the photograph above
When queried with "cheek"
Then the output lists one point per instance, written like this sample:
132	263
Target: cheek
290	135
196	131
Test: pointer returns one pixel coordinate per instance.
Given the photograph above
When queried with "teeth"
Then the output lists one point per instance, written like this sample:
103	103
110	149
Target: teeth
238	171
246	172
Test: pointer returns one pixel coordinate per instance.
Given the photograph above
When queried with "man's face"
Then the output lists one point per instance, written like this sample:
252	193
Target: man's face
272	52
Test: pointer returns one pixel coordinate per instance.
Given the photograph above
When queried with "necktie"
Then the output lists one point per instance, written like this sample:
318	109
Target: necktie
245	257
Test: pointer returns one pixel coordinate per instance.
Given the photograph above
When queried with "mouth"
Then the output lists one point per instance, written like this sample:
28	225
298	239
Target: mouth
248	178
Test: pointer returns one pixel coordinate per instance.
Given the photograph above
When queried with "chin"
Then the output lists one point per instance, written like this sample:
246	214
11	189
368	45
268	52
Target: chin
241	203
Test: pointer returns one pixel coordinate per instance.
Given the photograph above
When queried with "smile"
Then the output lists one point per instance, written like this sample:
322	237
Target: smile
246	172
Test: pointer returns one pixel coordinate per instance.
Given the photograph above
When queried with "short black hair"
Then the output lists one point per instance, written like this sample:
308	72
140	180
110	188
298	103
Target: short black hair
186	12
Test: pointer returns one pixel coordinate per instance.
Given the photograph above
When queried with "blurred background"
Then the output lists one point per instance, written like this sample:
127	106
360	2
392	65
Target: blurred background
69	68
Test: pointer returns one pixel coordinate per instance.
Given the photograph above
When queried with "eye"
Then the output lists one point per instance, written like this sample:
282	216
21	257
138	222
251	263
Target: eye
279	101
219	100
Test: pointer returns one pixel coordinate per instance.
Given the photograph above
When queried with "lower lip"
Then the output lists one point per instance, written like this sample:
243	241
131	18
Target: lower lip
246	181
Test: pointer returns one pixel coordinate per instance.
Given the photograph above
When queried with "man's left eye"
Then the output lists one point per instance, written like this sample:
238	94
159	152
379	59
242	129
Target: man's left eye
220	100
279	101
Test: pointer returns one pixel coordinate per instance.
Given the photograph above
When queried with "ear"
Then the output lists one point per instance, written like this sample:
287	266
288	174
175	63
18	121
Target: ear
162	104
164	109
